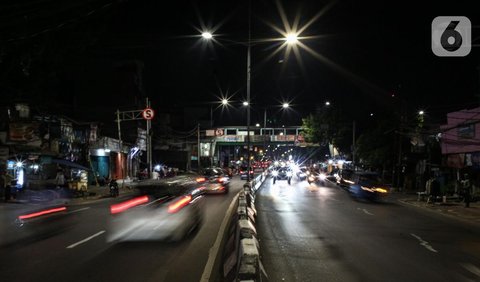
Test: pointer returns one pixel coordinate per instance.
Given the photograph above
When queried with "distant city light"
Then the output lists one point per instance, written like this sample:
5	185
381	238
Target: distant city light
421	113
245	103
327	103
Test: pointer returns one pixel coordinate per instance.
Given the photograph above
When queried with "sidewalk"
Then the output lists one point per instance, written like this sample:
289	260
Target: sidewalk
450	208
94	193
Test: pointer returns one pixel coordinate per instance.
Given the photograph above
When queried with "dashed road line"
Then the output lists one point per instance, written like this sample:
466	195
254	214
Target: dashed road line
424	243
472	268
365	211
79	210
86	239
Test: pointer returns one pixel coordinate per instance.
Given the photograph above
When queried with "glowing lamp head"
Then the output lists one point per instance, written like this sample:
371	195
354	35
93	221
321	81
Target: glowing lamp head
207	35
291	38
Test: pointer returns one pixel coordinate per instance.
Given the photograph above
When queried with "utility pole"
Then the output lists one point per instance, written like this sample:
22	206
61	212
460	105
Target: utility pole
120	146
145	114
149	142
353	145
198	147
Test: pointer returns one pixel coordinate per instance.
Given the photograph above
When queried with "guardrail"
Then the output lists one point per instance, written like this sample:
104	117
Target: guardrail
241	249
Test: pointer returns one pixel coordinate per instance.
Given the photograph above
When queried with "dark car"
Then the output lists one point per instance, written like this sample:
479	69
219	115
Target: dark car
367	185
244	172
215	180
283	173
167	209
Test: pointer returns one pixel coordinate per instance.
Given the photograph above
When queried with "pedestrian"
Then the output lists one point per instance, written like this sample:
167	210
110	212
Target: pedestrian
467	196
60	179
7	188
435	189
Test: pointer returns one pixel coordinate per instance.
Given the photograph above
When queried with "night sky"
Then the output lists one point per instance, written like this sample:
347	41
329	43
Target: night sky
78	55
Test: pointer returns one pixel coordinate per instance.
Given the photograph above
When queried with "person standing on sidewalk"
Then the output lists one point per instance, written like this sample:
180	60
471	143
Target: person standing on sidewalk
466	190
435	189
6	185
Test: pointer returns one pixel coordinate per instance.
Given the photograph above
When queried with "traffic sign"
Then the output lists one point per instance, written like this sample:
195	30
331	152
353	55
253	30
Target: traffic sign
148	113
219	132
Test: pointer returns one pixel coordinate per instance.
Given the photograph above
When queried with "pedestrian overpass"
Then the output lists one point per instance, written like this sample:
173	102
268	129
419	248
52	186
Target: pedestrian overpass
227	143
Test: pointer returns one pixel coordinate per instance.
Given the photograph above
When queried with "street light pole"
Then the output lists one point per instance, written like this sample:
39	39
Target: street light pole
248	89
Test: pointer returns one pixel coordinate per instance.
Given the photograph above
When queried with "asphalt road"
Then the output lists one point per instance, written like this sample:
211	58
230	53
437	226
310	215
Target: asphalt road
319	233
81	253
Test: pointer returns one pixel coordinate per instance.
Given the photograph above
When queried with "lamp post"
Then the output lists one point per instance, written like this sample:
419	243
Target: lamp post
290	39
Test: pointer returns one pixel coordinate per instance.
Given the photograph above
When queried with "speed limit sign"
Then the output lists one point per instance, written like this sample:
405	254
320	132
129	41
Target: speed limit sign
148	113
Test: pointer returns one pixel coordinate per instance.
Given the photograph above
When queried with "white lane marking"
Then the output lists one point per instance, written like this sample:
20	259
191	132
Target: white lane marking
79	210
86	239
365	211
424	243
472	268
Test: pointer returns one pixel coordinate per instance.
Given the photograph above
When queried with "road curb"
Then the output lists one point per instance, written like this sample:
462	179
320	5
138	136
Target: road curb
440	212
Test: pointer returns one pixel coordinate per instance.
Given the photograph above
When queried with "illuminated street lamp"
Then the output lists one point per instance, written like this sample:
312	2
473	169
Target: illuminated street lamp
290	39
327	103
285	105
421	113
224	102
207	35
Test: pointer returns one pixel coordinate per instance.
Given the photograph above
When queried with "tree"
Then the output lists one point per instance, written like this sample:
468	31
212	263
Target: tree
374	147
328	126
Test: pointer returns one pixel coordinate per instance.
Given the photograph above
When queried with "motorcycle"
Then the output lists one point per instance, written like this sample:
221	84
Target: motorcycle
113	185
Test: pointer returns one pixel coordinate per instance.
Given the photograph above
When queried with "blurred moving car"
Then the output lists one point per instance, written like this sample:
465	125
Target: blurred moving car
34	220
344	177
283	173
215	180
316	177
169	209
367	185
302	173
243	173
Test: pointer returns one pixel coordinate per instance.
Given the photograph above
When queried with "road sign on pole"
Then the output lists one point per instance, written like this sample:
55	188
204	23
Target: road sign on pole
148	113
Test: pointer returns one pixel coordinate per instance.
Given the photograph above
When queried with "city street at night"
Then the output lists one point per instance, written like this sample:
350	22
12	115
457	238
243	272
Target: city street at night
319	233
246	141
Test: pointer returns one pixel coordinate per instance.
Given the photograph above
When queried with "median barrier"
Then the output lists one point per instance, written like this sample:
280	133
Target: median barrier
241	251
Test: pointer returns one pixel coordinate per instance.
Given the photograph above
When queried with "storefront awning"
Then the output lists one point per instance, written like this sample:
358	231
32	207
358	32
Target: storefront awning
69	164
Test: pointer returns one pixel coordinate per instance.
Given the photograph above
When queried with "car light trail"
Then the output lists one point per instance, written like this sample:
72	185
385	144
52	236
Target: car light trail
40	213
